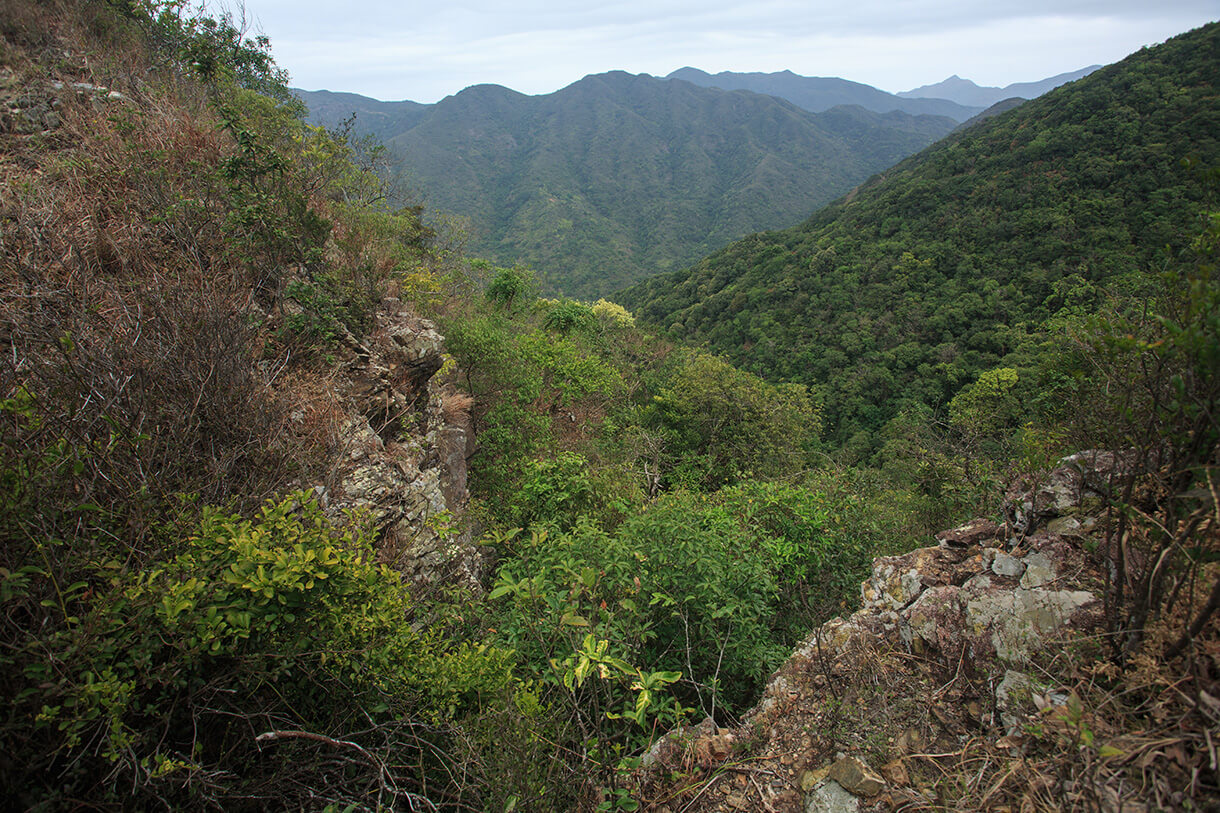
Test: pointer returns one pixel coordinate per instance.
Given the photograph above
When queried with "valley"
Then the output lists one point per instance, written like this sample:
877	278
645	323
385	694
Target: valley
753	453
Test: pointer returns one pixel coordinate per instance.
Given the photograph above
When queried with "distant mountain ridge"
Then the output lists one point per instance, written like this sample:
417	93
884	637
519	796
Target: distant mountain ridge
898	295
381	119
965	92
819	93
618	177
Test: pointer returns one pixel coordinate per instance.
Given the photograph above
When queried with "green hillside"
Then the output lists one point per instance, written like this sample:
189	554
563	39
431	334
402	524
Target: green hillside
301	509
904	290
618	177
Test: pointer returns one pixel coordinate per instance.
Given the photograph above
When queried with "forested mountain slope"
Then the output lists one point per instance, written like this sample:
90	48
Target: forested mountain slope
905	289
382	120
617	177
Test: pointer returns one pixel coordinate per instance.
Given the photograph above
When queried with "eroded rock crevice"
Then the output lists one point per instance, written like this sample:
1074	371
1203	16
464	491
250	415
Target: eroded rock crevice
403	450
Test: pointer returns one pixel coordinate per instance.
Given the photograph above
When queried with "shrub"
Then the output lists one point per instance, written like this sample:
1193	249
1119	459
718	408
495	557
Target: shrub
568	316
724	424
281	626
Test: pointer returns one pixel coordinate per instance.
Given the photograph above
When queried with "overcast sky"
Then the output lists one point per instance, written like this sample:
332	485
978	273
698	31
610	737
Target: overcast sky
405	49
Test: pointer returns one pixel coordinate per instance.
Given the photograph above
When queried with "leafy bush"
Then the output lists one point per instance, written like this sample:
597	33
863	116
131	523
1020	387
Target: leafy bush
566	316
510	285
724	424
693	583
282	623
613	315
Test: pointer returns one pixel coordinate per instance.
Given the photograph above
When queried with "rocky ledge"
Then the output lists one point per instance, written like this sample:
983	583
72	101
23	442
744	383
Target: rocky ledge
945	648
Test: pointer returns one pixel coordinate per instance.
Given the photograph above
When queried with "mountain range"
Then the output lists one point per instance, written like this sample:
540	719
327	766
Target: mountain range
618	177
965	92
819	93
903	291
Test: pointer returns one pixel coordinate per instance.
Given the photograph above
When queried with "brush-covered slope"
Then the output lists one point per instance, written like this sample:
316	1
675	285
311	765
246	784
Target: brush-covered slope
907	288
618	177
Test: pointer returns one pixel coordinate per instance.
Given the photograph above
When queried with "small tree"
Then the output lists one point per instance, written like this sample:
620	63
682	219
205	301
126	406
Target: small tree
510	285
1158	389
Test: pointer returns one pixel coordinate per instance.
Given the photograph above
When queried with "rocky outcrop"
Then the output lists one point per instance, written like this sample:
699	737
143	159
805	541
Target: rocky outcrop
30	108
403	450
944	641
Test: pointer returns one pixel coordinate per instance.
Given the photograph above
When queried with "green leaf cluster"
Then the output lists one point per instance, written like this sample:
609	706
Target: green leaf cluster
277	621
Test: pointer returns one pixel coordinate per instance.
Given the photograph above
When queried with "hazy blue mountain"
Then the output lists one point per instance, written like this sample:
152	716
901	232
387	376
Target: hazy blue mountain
617	177
817	93
965	92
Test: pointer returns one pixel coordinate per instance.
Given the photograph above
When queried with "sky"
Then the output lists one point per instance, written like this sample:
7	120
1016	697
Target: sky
406	49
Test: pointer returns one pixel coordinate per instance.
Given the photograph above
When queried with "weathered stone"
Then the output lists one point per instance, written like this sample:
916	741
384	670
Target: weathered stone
934	619
809	779
1039	570
1071	526
971	533
1007	566
830	797
1018	622
1078	482
897	580
404	462
856	777
1009	697
910	741
895	772
979	583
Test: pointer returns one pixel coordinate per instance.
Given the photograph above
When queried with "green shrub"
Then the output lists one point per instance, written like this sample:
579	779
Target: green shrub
568	316
681	586
724	424
165	676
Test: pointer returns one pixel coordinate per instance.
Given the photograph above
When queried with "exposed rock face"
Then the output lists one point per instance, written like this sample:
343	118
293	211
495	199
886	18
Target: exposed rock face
830	797
34	108
1076	487
403	455
987	602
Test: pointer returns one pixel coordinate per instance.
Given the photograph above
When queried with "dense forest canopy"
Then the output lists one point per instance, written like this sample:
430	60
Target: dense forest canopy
617	177
935	270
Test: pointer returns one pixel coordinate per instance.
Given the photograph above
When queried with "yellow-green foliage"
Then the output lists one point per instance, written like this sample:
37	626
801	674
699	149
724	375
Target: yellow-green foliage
612	314
280	621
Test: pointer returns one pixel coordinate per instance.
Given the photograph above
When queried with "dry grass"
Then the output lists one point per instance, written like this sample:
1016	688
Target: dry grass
127	324
455	406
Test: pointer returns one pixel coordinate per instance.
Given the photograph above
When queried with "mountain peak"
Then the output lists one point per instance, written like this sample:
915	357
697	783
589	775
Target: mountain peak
966	92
